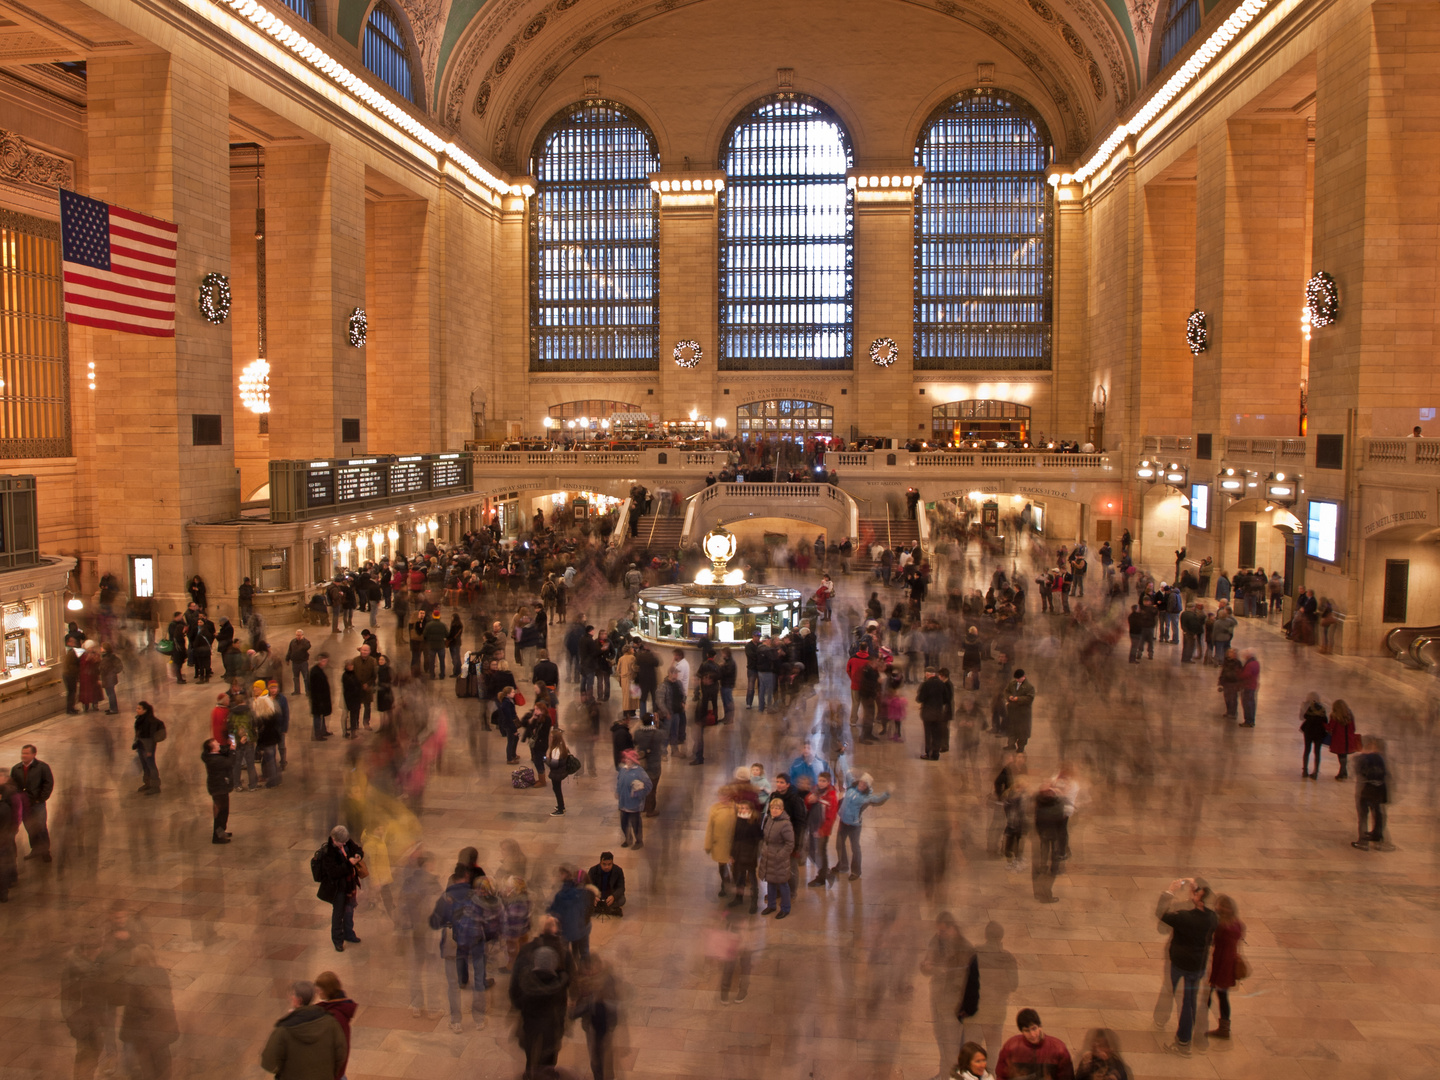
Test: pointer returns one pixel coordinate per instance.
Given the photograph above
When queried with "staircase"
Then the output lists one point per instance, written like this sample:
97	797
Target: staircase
659	535
890	532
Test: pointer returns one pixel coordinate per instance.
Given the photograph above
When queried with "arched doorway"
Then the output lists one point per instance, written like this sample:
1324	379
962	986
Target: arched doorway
979	418
784	418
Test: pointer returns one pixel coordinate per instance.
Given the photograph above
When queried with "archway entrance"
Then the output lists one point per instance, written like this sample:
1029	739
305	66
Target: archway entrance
979	418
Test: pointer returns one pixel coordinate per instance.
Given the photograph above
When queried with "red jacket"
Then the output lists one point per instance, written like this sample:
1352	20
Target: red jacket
1019	1059
1250	675
831	798
854	667
343	1010
220	723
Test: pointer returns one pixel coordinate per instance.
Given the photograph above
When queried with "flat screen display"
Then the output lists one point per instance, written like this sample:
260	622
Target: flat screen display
1200	506
1322	529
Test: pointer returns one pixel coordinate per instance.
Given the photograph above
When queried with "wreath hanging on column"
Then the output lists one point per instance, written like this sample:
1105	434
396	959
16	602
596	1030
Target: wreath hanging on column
215	298
1197	334
1322	299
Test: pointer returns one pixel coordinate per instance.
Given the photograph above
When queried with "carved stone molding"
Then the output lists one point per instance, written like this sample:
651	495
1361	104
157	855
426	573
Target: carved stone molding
21	163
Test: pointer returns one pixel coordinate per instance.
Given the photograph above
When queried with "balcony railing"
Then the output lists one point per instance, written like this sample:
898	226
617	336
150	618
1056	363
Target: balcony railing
1291	450
902	463
1422	455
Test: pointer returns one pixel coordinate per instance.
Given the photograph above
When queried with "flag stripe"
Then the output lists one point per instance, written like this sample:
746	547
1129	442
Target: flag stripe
118	252
144	237
136	293
84	285
129	325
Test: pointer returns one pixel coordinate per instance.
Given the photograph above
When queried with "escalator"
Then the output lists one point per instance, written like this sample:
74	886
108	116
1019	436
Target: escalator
1415	646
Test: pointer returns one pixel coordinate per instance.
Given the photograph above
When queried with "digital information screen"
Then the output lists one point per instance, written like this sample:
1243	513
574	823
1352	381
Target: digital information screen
320	488
1322	529
1200	506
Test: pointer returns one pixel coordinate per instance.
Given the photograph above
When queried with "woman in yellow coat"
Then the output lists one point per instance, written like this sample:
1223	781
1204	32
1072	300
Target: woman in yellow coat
719	834
625	671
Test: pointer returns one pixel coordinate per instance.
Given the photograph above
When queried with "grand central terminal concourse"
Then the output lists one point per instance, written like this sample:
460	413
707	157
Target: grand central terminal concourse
719	539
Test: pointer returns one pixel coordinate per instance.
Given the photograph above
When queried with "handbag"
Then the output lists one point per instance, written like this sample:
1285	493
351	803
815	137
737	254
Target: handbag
165	646
1242	968
361	870
519	699
157	732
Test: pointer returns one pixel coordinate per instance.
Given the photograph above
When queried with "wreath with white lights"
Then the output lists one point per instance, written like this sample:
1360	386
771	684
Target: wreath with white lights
1322	299
691	346
884	351
1197	334
215	298
358	328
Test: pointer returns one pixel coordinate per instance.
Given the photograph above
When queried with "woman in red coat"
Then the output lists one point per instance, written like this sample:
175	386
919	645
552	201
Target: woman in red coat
1343	739
90	691
332	999
1224	959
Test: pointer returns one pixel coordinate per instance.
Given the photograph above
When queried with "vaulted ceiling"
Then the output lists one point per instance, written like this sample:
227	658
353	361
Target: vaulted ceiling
495	70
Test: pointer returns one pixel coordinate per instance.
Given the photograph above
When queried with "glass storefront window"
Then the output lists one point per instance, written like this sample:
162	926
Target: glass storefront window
270	570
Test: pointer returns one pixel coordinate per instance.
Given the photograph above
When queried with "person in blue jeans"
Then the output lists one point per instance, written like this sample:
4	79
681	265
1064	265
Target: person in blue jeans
1192	929
776	845
852	804
632	785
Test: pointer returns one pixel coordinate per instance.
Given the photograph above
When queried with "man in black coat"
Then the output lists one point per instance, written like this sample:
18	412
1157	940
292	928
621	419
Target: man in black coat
218	780
36	783
339	883
539	990
318	691
931	698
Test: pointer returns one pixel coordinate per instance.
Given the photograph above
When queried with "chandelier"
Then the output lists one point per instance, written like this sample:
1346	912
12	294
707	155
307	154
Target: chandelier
255	386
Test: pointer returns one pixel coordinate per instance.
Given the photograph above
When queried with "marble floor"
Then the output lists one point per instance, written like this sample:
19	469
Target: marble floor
1343	943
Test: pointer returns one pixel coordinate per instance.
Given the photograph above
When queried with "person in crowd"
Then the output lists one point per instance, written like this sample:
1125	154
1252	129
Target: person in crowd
649	744
507	721
35	782
596	1006
857	799
823	804
776	847
1314	725
459	917
148	1026
317	690
1372	793
1032	1055
1225	960
149	730
557	761
297	655
632	786
331	997
218	781
971	1066
539	991
1344	740
336	868
1019	702
1249	688
307	1042
607	881
1182	907
745	844
1101	1060
954	973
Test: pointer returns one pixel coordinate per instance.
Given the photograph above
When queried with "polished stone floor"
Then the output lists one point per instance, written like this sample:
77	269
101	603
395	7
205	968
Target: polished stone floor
1343	943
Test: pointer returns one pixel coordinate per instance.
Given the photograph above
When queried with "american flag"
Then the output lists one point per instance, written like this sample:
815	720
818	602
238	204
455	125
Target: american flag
119	267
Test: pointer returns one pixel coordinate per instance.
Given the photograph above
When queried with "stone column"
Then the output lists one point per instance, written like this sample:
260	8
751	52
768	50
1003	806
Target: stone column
405	383
1167	298
689	301
1250	273
885	308
158	133
315	267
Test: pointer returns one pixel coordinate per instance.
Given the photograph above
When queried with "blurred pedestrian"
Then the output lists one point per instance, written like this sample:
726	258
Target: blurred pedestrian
317	689
1192	927
857	798
1372	793
148	1027
1100	1060
1314	725
460	920
149	730
572	906
632	785
218	779
596	1006
954	974
539	989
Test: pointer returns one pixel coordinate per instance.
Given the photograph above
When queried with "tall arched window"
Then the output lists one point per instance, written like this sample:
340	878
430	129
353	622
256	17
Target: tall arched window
386	53
1181	22
594	254
304	8
786	239
984	237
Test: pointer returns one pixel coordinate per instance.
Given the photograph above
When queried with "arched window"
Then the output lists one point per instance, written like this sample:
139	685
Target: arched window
786	239
594	252
304	8
386	53
984	237
1181	22
784	417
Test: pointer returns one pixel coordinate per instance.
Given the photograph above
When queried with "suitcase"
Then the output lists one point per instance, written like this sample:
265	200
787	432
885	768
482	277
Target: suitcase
523	777
462	686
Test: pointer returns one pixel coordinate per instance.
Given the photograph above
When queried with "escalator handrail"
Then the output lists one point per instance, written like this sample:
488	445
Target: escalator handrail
1417	648
1396	650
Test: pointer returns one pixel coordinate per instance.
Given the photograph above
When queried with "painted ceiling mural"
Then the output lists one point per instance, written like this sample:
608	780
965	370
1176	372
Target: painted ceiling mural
486	63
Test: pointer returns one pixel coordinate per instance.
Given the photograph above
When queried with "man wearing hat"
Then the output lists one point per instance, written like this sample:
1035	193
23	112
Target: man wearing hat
1019	698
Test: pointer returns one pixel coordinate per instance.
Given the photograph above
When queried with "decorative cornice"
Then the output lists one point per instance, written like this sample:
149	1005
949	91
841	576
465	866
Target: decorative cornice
21	163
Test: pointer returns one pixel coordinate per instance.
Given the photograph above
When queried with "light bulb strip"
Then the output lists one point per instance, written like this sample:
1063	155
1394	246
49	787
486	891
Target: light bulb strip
253	24
1201	61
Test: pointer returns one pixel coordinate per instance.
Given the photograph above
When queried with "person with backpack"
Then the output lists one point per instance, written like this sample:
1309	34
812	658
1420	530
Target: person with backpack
337	867
459	917
558	760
